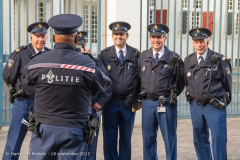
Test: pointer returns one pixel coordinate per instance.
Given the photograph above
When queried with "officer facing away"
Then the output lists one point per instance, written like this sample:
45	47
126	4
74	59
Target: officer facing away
64	82
13	75
161	73
120	60
97	99
208	90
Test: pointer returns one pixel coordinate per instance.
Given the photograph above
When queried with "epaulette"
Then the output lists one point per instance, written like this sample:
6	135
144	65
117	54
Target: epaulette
19	49
189	55
143	51
105	49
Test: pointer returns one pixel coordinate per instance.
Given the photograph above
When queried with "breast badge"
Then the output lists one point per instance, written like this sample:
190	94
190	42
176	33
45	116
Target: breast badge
188	74
10	63
109	67
143	68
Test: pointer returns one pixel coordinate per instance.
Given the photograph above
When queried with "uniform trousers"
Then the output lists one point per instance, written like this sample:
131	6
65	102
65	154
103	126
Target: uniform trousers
17	131
116	116
167	121
205	117
92	149
58	143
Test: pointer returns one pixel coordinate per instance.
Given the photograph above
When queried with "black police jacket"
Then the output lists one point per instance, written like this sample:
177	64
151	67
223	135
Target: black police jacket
159	78
13	72
123	76
198	77
64	81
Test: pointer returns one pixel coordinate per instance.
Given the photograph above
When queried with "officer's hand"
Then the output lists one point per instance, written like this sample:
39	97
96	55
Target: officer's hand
139	106
86	50
97	106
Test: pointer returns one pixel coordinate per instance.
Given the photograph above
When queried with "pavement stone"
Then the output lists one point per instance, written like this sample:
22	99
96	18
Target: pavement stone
185	143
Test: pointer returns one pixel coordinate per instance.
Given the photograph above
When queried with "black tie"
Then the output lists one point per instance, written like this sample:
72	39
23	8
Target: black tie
200	60
156	57
121	57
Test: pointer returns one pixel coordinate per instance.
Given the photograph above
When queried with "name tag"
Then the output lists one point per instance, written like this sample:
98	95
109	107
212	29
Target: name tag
161	109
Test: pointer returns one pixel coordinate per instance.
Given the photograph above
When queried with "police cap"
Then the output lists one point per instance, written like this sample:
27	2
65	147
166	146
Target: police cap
82	37
64	24
119	27
199	33
38	28
157	29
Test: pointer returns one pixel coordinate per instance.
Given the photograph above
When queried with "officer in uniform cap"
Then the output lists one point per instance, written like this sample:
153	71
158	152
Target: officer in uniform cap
162	80
82	37
13	75
64	81
120	60
208	90
81	44
96	106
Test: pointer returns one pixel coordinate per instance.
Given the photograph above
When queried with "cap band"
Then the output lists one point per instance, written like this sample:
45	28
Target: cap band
199	34
65	31
157	30
119	28
43	29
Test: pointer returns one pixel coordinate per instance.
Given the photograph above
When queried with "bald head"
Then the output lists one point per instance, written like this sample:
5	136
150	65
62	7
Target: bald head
69	38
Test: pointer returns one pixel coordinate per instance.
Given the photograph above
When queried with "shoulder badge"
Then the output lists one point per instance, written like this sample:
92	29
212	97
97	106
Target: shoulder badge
227	69
10	63
182	71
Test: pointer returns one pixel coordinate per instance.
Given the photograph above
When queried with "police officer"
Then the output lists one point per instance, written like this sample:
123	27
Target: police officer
13	75
161	73
96	99
208	90
64	82
120	60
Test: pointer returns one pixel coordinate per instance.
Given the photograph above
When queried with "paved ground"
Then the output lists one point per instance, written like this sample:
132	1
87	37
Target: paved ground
185	144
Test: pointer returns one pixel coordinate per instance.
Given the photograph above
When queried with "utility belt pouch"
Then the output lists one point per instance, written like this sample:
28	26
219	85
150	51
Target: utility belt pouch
33	125
227	98
217	103
19	94
188	98
129	100
173	96
142	95
12	91
90	131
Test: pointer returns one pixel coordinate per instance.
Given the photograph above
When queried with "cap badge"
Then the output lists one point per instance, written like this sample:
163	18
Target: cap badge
197	31
109	67
39	26
118	25
188	74
80	34
156	27
223	58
